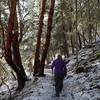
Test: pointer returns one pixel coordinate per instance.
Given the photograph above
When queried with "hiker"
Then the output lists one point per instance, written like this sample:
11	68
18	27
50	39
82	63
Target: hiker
59	68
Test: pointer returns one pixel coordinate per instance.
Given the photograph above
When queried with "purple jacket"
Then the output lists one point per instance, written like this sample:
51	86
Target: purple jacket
60	67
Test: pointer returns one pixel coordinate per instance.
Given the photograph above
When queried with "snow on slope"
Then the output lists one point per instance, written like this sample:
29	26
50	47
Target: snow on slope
82	86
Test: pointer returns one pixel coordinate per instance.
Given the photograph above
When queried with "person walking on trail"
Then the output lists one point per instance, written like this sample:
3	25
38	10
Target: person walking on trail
59	68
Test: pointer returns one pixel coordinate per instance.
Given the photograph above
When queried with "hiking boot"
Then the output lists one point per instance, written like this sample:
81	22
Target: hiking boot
57	95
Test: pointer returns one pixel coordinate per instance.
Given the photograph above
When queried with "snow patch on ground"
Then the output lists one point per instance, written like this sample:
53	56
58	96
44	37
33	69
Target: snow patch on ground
83	86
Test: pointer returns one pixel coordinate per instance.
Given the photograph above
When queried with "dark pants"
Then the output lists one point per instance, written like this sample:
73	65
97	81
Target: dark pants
58	84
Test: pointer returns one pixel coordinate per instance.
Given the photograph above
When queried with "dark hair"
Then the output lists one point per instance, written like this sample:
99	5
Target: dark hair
59	56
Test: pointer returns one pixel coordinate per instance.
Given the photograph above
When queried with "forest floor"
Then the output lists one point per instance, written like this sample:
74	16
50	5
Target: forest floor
77	86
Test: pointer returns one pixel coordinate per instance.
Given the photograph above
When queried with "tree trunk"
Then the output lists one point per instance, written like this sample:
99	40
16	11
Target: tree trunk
95	31
17	57
72	45
80	42
84	39
89	23
37	52
90	33
9	55
48	35
2	32
21	82
9	37
66	50
76	34
15	49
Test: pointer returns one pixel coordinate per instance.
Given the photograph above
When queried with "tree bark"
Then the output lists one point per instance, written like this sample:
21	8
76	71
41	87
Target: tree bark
9	36
90	33
37	52
15	49
80	42
2	32
84	38
48	35
76	37
89	23
10	46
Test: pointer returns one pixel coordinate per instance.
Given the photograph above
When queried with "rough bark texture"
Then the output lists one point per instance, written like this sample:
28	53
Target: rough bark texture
37	53
48	35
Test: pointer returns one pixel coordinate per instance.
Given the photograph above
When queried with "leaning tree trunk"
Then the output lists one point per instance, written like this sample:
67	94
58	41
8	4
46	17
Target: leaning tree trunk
37	53
9	37
9	57
48	35
15	49
16	55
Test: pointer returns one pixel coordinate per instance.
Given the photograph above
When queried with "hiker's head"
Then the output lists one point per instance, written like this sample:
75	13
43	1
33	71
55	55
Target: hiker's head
59	56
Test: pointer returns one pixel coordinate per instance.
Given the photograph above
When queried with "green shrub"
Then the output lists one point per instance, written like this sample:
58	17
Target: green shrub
98	55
